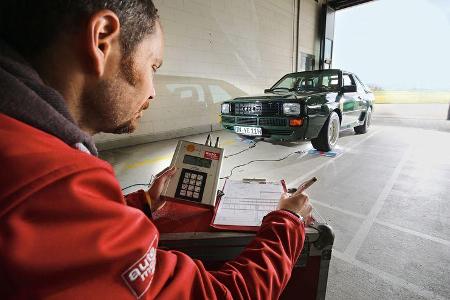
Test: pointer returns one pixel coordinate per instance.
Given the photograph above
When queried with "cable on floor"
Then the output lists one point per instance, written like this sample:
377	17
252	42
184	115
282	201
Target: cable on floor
252	145
152	178
136	184
262	160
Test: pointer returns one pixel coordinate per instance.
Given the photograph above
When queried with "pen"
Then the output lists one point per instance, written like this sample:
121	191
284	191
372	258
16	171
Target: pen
301	189
306	184
283	184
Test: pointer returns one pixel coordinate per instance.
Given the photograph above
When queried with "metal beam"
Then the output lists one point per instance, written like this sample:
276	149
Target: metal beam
341	4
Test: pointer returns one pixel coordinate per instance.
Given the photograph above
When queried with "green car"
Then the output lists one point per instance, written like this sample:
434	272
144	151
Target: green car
312	105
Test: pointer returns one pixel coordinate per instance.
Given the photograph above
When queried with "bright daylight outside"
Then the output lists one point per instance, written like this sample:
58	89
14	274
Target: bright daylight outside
400	49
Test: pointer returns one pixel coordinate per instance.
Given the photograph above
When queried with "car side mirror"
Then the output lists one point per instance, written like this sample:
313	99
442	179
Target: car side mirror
266	91
348	89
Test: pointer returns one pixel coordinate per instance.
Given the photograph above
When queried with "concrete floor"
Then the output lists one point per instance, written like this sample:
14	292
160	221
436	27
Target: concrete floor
387	197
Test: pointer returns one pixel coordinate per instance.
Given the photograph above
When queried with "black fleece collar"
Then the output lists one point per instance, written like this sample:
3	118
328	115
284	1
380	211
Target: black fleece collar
25	97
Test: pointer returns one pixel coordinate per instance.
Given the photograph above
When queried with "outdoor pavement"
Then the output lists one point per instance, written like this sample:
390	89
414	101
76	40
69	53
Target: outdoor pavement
387	197
425	116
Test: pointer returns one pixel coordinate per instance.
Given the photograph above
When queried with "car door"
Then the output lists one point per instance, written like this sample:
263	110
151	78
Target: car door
348	102
366	93
361	98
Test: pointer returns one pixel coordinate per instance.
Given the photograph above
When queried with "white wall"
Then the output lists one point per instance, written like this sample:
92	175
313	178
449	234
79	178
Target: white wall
217	50
309	24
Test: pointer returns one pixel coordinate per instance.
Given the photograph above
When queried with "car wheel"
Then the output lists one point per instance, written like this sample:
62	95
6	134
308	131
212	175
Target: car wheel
448	115
328	135
367	121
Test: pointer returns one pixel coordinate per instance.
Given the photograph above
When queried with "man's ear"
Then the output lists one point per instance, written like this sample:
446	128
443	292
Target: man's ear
103	31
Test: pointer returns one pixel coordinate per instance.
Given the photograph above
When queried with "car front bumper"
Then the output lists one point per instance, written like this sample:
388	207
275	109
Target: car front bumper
274	128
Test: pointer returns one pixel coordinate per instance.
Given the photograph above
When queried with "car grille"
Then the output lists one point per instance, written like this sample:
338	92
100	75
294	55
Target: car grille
254	121
226	119
246	121
248	109
272	122
279	132
257	108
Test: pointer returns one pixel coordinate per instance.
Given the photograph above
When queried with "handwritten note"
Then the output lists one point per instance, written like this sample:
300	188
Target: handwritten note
246	204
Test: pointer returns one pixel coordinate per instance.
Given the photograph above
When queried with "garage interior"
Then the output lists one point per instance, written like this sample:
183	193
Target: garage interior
386	194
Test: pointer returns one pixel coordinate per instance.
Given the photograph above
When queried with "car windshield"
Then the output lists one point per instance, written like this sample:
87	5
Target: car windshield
308	81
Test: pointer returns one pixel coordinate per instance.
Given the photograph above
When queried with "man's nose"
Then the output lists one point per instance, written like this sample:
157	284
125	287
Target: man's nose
152	94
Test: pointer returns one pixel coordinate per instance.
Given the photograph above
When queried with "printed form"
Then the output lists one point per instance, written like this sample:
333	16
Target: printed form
246	203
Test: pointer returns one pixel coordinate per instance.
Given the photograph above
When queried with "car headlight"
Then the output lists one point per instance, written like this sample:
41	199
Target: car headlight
226	108
291	108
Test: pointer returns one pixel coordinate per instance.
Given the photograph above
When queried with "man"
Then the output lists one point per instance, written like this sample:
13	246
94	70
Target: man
70	69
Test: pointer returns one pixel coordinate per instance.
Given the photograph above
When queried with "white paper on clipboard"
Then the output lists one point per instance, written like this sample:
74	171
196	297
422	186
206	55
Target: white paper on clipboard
246	203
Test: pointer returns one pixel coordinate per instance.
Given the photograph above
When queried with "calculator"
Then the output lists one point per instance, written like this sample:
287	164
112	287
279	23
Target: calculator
192	186
197	175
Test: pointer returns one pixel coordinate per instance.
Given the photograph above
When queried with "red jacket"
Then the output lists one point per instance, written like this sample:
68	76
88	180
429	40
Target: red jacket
67	233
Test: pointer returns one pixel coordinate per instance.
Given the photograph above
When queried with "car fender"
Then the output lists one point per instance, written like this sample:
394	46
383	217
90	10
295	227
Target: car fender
319	107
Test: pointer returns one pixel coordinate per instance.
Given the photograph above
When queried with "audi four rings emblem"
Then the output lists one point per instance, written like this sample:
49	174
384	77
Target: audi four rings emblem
251	108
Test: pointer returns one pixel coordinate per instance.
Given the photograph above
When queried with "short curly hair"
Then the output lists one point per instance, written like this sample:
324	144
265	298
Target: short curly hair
31	26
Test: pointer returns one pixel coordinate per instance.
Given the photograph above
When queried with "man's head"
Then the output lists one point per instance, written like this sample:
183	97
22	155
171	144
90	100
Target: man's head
100	54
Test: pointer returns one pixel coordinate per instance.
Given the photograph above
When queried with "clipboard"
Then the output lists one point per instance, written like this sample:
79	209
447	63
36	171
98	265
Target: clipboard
244	204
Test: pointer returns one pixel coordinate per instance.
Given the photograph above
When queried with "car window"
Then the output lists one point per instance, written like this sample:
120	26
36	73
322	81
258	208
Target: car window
359	86
309	83
348	80
287	83
365	87
330	81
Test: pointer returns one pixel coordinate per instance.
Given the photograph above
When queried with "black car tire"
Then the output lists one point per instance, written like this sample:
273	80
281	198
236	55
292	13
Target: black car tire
325	142
448	115
361	129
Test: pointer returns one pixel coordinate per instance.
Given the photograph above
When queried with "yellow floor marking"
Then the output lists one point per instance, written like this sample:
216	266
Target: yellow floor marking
228	142
149	161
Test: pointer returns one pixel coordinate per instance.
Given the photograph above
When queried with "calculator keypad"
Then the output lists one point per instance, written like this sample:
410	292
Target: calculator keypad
191	185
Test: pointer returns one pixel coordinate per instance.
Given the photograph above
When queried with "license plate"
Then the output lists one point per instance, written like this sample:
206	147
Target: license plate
254	131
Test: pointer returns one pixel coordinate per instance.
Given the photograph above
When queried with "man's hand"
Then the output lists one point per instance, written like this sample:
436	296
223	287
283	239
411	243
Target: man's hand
298	203
154	192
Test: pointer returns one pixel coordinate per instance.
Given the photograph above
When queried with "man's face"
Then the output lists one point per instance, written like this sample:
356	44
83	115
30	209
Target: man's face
115	104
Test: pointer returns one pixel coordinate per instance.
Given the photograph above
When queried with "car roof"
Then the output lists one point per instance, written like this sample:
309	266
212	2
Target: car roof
318	71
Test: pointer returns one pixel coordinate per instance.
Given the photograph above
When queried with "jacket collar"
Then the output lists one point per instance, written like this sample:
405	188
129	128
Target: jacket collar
25	97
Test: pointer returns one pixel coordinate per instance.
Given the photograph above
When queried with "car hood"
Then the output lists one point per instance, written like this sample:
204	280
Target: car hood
272	96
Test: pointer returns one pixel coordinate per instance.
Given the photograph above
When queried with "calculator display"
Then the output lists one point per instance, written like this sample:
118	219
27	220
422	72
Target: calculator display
197	161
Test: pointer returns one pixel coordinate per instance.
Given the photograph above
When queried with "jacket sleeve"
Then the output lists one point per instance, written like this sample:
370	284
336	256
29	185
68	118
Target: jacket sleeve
76	239
261	271
138	200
